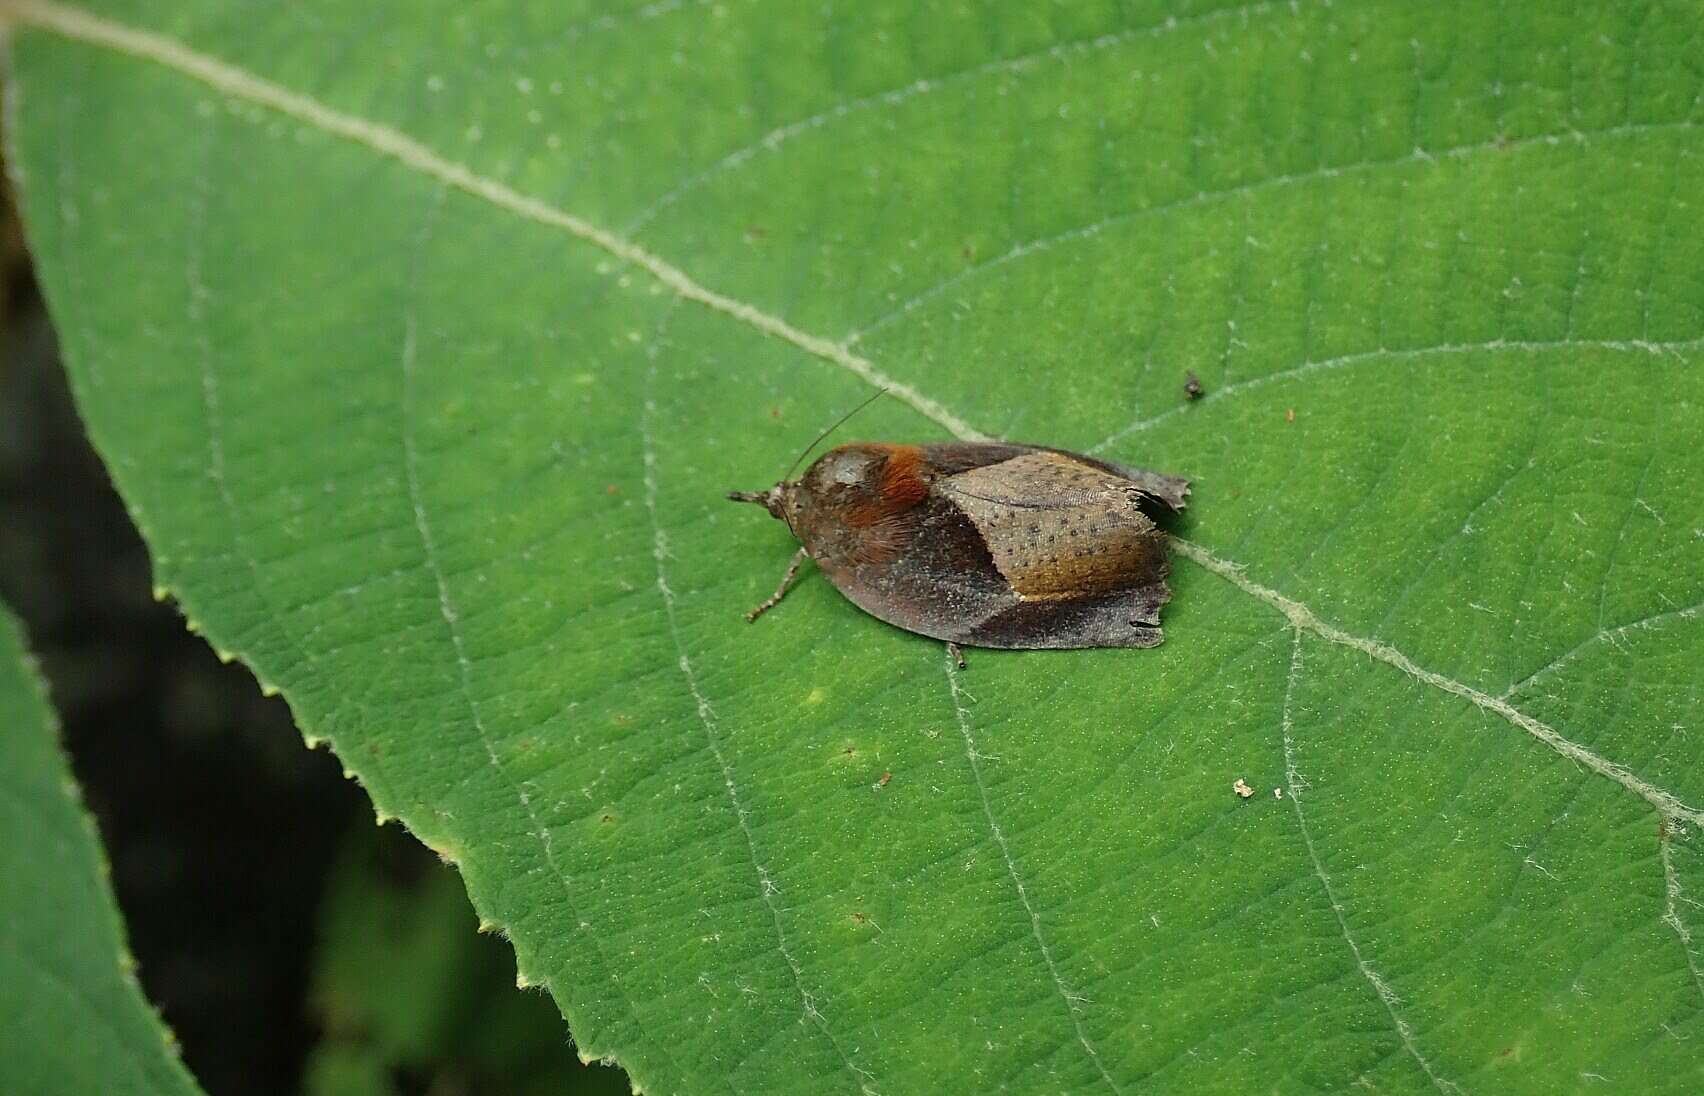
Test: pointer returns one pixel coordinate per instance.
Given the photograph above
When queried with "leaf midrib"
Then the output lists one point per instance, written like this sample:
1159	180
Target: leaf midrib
79	25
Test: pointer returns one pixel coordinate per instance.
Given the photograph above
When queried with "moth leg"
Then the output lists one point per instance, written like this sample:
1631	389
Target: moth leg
781	590
955	654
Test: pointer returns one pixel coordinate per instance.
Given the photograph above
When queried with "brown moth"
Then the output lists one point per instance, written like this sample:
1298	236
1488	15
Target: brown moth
985	544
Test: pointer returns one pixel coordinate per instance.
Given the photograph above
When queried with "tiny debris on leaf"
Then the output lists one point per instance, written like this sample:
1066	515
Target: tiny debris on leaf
1241	788
1192	385
1277	793
883	782
1290	415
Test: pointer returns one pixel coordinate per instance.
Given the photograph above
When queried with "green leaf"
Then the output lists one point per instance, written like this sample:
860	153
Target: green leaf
72	1018
423	340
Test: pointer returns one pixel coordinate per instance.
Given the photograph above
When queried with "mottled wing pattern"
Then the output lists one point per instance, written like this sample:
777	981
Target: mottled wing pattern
1171	490
1060	528
950	458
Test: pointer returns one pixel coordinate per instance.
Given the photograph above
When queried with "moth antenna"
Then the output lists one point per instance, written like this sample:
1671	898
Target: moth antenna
880	392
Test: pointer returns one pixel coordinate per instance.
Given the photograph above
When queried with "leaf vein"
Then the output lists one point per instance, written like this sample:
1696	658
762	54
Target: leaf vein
80	25
895	96
1304	618
212	406
1071	999
766	886
1294	786
1673	897
1362	357
1645	623
1204	197
464	667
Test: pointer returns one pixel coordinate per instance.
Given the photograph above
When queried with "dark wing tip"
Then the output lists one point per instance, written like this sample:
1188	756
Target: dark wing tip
1169	490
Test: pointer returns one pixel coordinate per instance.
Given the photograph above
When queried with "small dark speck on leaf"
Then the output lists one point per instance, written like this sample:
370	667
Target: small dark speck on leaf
1192	385
610	489
756	232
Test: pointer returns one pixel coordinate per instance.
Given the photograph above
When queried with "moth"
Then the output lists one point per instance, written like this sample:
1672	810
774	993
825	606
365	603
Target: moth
985	544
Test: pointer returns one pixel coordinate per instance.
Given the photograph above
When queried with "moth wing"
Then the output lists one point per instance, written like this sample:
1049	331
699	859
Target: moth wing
951	458
1126	618
948	458
1171	490
1086	566
941	582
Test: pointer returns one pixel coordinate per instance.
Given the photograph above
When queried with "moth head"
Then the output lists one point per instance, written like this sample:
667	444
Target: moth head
789	499
782	501
842	491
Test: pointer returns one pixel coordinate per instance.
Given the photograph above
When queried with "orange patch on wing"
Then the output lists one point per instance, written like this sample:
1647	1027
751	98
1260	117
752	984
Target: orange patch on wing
900	488
885	523
902	480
